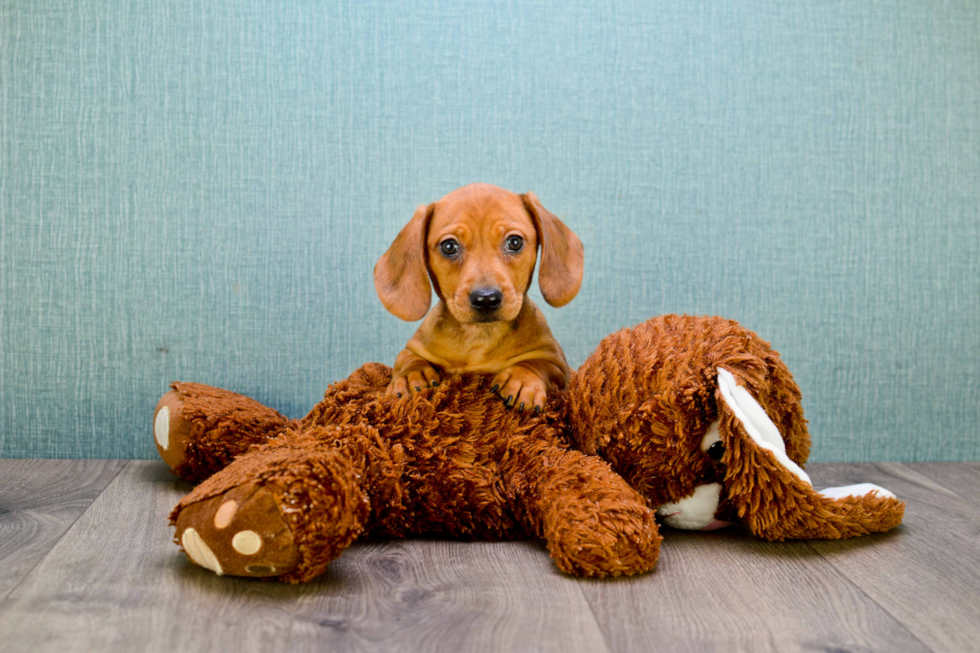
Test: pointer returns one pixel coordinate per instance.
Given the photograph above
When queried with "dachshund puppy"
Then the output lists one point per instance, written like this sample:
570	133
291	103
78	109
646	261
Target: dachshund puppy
478	245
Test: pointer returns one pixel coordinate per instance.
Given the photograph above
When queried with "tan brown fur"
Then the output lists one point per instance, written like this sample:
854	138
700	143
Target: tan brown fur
585	475
512	341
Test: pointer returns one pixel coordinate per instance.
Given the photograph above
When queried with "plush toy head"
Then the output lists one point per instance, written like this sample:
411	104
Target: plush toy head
703	418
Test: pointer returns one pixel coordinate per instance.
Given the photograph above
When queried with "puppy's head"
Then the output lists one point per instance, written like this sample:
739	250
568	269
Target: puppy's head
478	245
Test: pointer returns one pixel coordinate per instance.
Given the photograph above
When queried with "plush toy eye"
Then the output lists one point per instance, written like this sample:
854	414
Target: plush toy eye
716	451
514	243
449	248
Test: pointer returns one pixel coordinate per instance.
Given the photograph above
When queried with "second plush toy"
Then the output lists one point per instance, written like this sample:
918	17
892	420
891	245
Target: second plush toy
696	419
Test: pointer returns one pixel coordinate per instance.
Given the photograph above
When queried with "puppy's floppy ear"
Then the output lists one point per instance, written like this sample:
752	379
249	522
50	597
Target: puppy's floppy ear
773	495
562	254
401	276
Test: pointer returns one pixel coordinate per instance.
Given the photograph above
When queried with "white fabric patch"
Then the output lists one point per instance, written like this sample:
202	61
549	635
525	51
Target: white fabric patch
858	490
693	512
756	422
199	551
246	542
713	435
161	428
225	513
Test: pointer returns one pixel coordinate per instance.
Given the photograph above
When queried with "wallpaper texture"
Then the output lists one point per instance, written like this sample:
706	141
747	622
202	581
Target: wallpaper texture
200	190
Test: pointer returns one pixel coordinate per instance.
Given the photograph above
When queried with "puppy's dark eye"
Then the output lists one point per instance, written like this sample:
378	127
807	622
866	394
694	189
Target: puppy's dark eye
716	451
514	243
449	248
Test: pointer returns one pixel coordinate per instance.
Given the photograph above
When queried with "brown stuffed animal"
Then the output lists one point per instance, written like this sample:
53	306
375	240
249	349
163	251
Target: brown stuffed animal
694	418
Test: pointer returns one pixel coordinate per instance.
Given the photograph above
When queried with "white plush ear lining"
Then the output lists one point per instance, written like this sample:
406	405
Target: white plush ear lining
756	422
766	435
857	490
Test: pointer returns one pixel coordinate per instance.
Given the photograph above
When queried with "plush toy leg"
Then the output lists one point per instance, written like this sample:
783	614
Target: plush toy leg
773	495
199	429
595	524
284	512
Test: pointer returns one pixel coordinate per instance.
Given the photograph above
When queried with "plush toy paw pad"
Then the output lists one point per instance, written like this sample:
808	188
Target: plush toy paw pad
246	542
161	427
170	430
239	533
225	514
199	551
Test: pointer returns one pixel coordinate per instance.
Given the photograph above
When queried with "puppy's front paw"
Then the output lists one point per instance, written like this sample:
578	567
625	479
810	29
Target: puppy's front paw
410	381
521	387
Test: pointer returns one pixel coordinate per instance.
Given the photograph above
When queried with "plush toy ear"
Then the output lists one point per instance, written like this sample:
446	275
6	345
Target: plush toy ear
401	276
773	495
562	254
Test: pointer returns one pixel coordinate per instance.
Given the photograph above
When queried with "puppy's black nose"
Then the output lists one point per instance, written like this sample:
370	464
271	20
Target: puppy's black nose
486	300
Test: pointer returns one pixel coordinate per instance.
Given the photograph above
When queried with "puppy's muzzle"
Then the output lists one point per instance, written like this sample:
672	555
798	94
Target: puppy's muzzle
486	300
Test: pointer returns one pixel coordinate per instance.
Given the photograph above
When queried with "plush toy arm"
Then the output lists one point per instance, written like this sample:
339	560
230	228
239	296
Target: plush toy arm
595	524
773	495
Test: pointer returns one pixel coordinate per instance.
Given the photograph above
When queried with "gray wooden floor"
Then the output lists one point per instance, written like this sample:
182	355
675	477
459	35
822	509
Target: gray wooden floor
87	564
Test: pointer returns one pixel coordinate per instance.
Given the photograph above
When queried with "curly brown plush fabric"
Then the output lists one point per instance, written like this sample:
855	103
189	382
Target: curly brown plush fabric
628	437
450	462
212	427
646	397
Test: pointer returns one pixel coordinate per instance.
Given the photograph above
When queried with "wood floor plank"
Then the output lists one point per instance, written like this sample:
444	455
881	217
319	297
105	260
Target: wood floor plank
111	580
115	582
423	595
39	501
926	573
960	478
729	591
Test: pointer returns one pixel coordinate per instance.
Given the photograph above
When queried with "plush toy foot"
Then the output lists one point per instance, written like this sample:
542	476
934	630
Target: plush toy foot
199	430
171	431
284	512
240	533
594	522
622	542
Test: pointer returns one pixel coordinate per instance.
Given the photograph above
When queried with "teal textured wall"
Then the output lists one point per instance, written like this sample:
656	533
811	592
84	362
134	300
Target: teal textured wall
199	191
